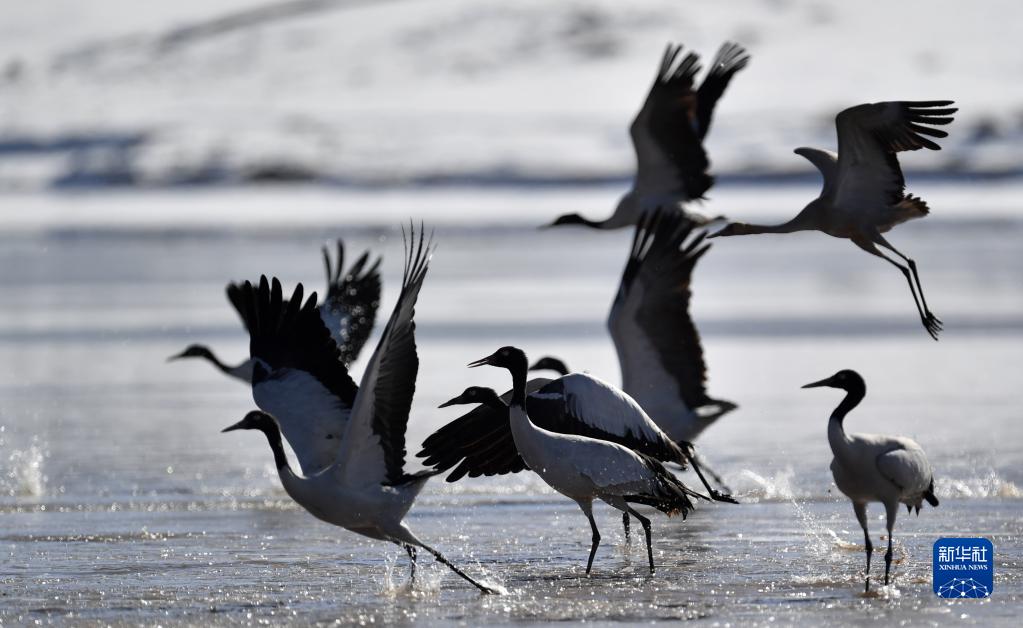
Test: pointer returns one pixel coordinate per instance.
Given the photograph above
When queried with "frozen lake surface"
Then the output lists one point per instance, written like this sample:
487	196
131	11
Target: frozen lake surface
121	503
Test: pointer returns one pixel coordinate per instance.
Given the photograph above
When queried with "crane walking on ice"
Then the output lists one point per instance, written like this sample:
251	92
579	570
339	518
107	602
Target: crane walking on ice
365	487
667	135
864	193
583	468
875	468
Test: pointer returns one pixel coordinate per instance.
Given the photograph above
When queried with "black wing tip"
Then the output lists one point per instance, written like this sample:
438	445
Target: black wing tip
730	58
673	71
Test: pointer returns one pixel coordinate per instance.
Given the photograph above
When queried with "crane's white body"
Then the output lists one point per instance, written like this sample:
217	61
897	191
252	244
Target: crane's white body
372	510
579	467
877	468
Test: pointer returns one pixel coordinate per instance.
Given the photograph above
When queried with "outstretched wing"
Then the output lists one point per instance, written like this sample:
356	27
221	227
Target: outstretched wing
477	443
731	58
669	155
373	451
298	377
350	307
287	334
869	136
658	346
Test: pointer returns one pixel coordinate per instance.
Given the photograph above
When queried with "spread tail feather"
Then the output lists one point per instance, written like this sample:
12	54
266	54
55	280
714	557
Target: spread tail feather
929	495
668	495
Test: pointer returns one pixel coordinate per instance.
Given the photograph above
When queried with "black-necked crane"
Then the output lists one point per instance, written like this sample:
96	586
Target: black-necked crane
348	310
867	468
864	193
659	350
667	135
584	468
365	488
481	442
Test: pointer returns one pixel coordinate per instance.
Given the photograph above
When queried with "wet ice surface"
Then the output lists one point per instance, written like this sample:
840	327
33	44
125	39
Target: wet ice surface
120	501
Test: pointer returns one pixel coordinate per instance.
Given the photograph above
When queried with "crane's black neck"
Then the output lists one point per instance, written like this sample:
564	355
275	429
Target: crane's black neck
853	396
215	361
519	374
576	219
273	436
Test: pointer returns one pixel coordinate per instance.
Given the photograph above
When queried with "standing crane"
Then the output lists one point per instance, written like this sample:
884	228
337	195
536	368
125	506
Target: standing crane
892	470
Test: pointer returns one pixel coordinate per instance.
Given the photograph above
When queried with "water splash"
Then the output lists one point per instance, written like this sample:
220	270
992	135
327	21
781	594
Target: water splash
397	583
755	487
985	486
23	475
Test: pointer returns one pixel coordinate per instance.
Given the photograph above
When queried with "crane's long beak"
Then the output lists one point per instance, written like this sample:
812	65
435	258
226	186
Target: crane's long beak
236	426
480	362
451	402
823	382
177	356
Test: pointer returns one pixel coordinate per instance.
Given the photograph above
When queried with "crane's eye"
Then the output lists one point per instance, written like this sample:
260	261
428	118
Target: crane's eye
330	436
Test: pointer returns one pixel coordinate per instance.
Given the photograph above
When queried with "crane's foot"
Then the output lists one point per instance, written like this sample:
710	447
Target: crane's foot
718	496
932	324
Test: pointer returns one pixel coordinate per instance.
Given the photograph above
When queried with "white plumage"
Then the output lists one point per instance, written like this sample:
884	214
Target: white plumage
864	193
311	417
867	468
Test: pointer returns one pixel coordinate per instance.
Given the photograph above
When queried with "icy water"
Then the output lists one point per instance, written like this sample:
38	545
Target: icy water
121	503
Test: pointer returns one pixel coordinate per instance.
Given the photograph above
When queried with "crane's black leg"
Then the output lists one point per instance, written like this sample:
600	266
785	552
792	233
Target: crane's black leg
930	322
722	485
440	558
625	524
892	511
412	558
588	511
861	516
915	273
694	460
646	530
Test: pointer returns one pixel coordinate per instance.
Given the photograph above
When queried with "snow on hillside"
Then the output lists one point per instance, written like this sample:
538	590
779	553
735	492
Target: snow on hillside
117	91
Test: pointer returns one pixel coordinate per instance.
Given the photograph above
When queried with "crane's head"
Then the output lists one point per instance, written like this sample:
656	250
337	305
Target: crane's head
194	351
548	363
846	379
568	219
254	420
511	358
476	394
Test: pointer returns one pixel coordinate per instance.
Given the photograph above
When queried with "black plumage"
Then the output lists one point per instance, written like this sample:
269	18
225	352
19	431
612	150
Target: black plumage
291	334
